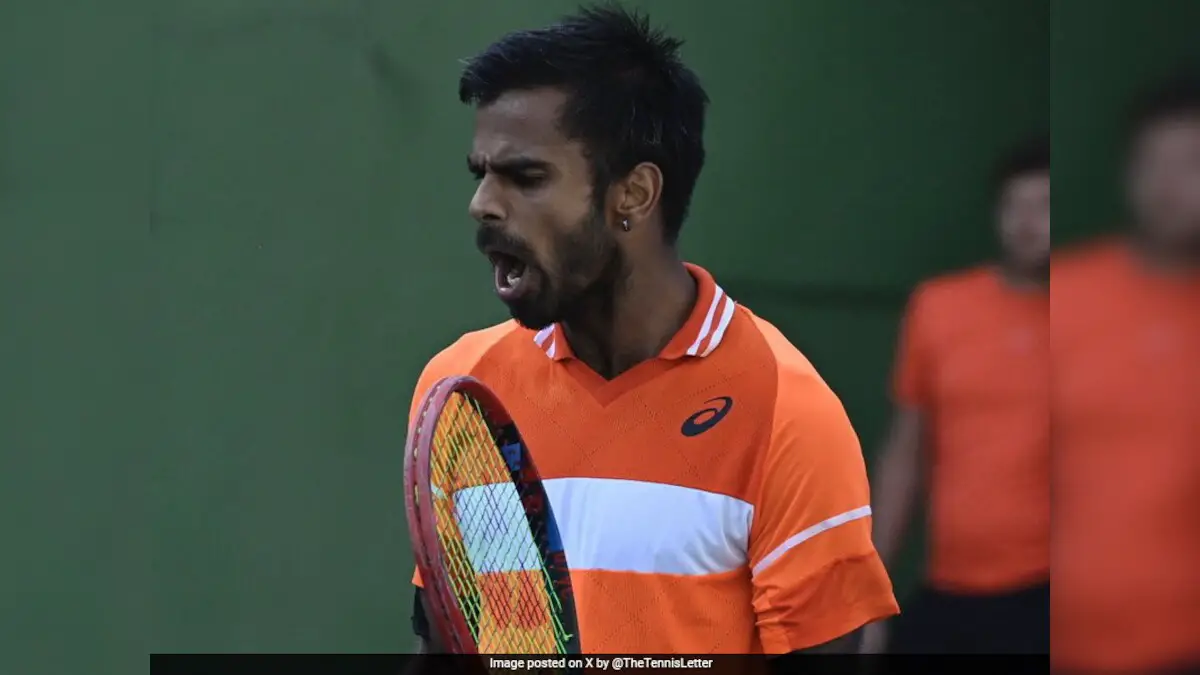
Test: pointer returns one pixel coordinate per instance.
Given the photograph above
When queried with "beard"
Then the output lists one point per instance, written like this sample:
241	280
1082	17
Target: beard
587	269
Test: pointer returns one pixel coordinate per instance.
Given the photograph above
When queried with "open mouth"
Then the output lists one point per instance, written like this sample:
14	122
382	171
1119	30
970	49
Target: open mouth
510	272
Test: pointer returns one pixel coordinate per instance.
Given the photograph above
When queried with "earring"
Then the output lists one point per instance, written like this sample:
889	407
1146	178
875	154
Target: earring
625	224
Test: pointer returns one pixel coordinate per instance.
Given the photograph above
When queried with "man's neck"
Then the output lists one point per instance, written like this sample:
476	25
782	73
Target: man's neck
1032	280
647	310
1167	260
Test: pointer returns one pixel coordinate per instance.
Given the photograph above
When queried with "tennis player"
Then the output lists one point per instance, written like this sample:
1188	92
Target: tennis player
709	488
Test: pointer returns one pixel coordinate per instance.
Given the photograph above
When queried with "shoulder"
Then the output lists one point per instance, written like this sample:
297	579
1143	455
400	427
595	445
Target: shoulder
805	408
812	447
1099	251
1087	285
464	355
793	371
1087	263
953	289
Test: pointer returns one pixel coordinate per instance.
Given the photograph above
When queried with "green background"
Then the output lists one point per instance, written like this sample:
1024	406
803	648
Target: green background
1105	52
231	233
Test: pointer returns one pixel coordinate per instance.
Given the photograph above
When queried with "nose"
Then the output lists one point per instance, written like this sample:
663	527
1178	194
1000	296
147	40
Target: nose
487	204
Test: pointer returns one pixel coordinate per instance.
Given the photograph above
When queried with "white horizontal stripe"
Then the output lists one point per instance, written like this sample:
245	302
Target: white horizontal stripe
610	524
654	528
797	539
494	530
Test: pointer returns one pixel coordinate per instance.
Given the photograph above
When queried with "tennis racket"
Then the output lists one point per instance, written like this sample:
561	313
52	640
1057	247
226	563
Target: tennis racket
487	547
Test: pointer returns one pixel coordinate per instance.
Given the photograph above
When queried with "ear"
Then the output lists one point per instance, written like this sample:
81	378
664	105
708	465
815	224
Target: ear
638	194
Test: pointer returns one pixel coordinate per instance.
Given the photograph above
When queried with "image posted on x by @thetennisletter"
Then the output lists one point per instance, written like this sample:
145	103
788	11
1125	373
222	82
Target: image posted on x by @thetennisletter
614	663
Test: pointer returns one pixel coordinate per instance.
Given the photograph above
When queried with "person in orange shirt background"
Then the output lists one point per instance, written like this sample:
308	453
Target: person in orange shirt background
971	437
1125	336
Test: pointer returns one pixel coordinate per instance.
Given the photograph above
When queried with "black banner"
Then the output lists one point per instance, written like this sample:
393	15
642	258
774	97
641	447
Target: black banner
699	664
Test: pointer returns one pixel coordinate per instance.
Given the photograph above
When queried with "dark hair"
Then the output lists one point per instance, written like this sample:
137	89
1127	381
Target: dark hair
1178	96
1031	156
629	97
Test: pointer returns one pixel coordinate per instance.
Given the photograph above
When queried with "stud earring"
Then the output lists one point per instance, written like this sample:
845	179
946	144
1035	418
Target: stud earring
625	224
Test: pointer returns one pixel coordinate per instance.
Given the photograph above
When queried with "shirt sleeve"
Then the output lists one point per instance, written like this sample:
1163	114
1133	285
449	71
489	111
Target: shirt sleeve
910	374
816	575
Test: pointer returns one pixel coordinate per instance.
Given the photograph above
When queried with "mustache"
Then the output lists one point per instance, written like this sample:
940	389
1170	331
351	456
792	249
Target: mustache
495	238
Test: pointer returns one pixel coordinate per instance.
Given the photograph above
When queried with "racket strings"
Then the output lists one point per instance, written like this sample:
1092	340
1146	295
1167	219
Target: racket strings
499	551
453	439
495	568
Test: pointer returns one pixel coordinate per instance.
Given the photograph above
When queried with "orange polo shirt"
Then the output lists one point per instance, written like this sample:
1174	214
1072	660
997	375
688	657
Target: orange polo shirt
746	531
974	357
1126	407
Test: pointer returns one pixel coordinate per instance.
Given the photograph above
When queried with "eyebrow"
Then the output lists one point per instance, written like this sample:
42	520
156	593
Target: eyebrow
507	167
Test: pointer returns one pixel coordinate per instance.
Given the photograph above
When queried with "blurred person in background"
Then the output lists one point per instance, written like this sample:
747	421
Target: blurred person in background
970	437
1126	411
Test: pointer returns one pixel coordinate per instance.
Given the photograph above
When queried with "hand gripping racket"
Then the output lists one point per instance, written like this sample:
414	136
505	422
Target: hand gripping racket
486	544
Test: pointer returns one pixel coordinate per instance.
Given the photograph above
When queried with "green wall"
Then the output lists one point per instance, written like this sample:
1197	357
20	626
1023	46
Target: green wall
226	236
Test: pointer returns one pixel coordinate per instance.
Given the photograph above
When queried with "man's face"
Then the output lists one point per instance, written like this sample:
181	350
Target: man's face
1164	181
1023	215
546	236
